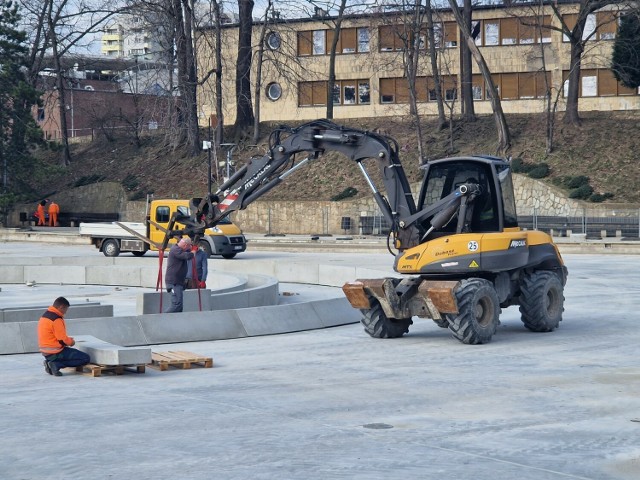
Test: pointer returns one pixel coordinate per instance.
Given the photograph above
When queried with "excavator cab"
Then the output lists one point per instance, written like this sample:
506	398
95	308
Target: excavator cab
492	210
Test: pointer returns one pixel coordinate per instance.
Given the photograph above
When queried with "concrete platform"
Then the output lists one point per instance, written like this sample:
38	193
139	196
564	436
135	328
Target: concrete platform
336	404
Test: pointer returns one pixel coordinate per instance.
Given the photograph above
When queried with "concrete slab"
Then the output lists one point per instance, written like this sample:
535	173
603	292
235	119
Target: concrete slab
33	314
335	312
49	274
11	339
12	274
104	353
149	303
278	319
125	331
192	326
114	275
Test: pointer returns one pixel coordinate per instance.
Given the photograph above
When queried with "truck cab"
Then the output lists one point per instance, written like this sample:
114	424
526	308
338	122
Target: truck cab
225	239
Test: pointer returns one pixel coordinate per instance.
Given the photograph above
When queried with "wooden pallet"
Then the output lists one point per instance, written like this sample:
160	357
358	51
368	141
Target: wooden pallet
164	360
96	370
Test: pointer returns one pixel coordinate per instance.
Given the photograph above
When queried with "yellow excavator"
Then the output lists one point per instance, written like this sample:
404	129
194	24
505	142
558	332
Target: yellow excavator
457	245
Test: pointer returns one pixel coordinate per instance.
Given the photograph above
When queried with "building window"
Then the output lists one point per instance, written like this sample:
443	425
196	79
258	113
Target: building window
445	34
599	26
319	42
312	94
389	39
598	82
305	43
274	91
364	92
345	92
273	40
41	114
363	39
491	32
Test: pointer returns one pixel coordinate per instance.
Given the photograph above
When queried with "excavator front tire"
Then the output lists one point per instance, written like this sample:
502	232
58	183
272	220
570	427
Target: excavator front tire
479	311
541	301
378	325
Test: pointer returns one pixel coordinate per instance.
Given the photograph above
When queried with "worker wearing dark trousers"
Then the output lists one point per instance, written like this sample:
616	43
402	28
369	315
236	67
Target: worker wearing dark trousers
54	342
180	256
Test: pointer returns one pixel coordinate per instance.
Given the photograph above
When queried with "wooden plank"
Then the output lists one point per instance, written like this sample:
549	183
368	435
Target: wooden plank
96	370
178	359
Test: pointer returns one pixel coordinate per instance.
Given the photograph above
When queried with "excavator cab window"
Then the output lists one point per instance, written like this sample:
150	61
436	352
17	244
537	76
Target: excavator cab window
444	178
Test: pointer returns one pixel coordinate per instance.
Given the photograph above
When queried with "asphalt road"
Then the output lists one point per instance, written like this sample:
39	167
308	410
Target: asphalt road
337	404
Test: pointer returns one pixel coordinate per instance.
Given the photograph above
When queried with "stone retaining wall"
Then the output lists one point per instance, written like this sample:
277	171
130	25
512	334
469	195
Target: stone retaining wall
533	197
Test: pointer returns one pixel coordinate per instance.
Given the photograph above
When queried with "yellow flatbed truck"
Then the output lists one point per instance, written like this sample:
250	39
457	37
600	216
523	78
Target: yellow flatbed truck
225	239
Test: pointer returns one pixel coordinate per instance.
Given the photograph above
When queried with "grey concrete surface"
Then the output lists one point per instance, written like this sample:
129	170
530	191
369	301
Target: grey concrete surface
337	404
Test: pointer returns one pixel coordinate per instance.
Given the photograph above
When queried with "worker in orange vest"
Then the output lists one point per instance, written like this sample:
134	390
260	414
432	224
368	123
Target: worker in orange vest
54	342
40	213
54	210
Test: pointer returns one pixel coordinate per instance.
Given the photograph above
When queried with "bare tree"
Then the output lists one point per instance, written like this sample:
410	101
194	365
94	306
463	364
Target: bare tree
244	109
259	62
466	74
433	57
57	27
187	73
504	137
577	38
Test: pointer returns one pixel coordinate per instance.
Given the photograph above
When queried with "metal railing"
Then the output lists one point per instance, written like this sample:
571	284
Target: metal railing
618	223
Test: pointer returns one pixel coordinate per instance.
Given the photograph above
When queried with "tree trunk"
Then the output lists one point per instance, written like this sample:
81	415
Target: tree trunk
466	87
433	56
504	137
219	129
332	59
571	115
65	159
244	108
263	34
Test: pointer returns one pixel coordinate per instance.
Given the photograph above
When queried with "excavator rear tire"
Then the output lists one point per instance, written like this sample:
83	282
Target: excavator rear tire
479	312
378	325
541	301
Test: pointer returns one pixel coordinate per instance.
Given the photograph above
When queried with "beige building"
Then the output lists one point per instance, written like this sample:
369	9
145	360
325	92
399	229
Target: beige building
523	54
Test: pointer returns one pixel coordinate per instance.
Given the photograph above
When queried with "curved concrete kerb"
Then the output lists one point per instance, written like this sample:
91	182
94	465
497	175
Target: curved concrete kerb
237	305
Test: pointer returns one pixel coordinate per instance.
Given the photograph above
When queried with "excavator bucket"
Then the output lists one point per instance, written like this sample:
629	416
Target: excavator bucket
431	299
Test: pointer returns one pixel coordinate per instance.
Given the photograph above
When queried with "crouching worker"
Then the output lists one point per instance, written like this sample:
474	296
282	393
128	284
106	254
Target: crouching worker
54	342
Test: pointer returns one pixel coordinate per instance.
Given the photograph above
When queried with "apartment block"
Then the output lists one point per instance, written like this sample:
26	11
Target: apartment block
524	47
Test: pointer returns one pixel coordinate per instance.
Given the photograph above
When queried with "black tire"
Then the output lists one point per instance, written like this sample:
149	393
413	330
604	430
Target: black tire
206	248
139	254
228	255
479	312
443	323
541	301
110	248
378	325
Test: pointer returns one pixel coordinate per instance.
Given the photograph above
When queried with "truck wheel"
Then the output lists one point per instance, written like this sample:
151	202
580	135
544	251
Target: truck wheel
479	310
378	325
110	248
206	248
541	301
228	255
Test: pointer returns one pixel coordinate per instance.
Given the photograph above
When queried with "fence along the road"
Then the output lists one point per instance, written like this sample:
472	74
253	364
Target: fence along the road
623	223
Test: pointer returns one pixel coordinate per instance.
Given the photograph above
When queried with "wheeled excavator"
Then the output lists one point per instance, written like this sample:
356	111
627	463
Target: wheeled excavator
459	251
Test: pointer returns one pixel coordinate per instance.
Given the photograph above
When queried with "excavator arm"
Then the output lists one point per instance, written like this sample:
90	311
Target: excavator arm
311	141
